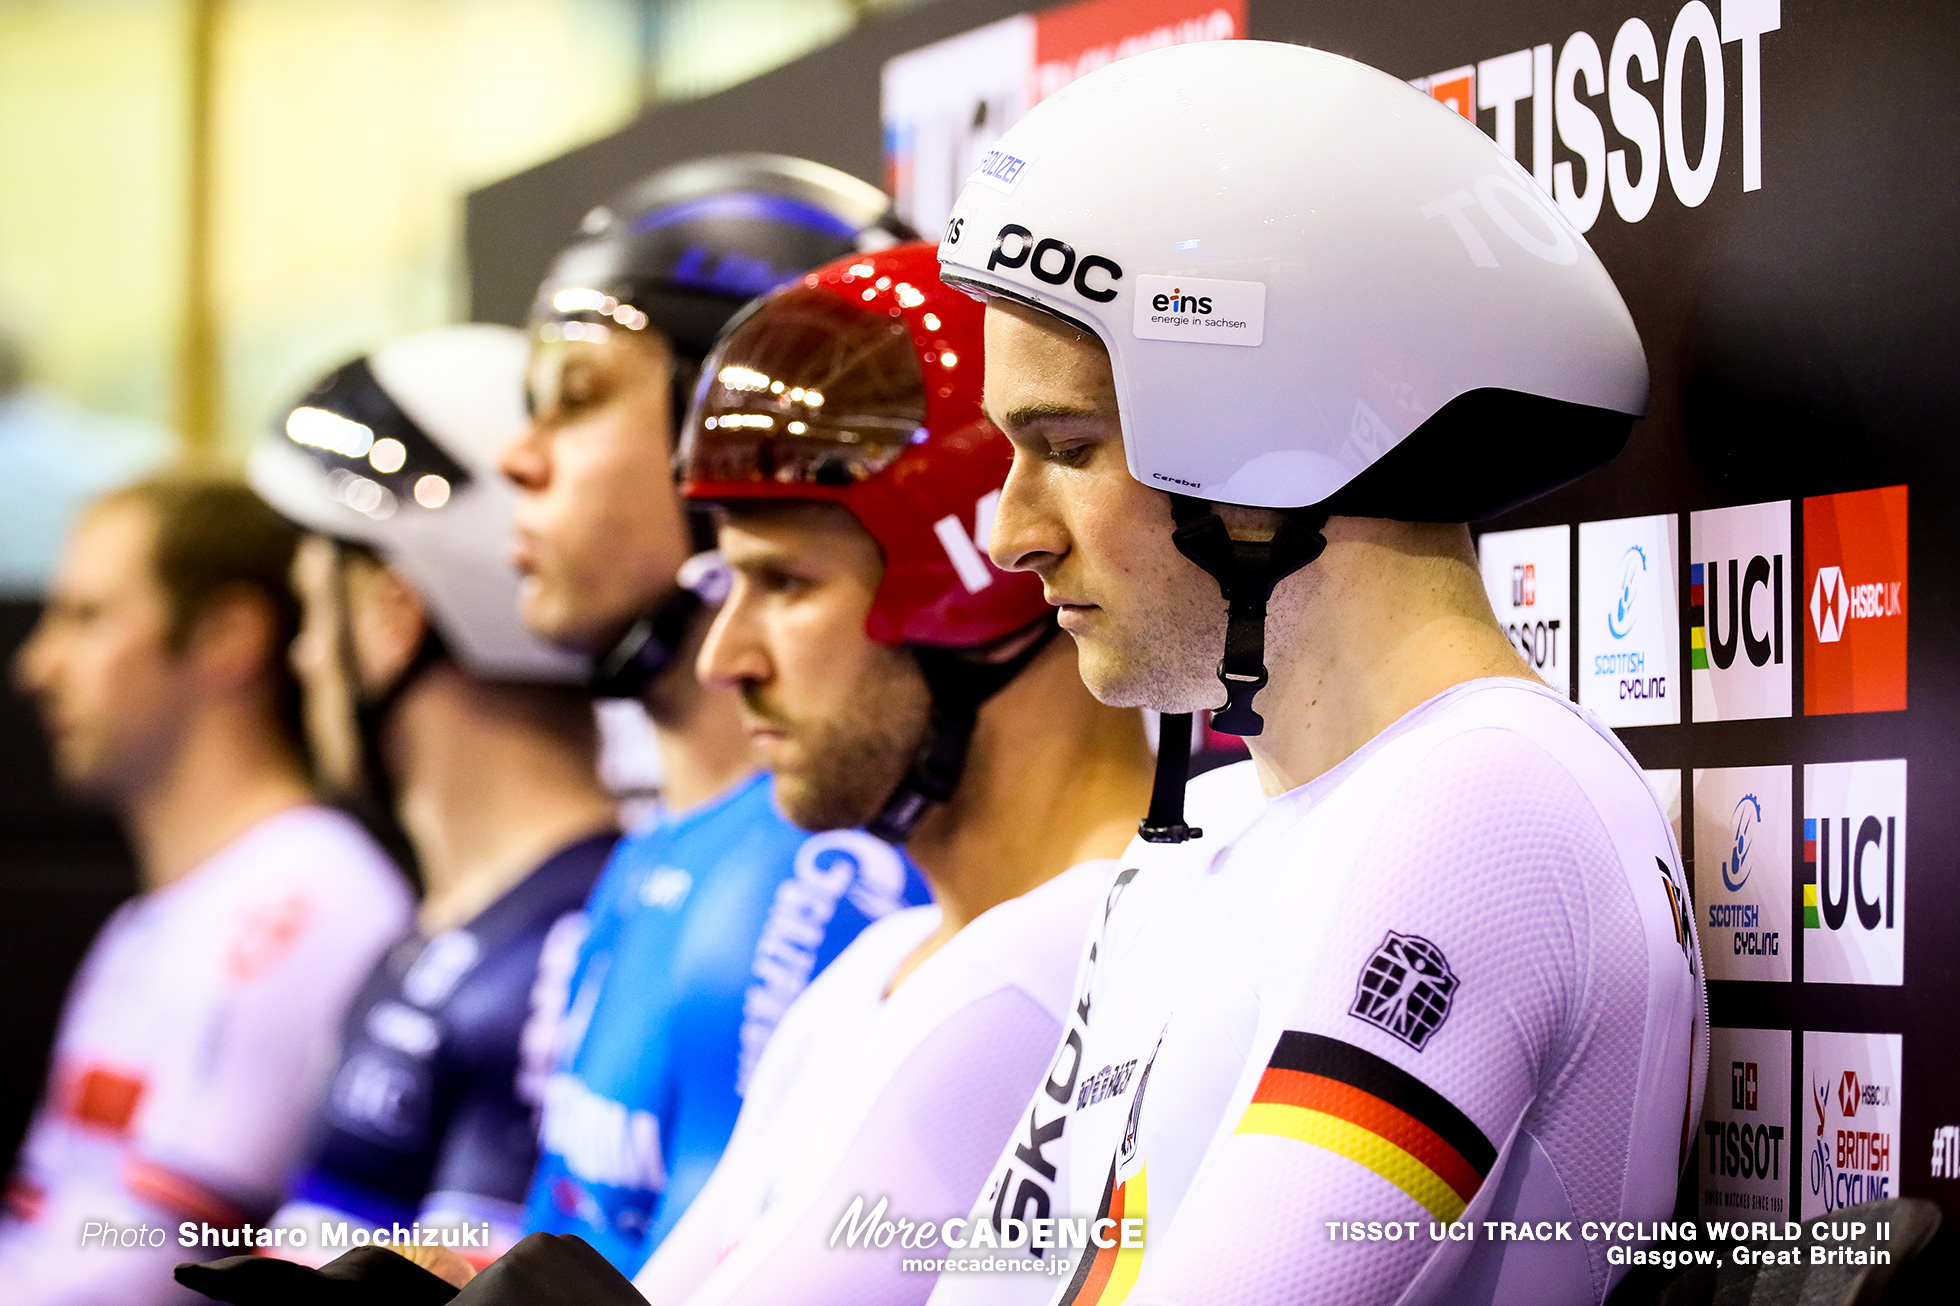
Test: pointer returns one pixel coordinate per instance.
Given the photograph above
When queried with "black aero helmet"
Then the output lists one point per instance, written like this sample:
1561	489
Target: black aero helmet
683	249
681	252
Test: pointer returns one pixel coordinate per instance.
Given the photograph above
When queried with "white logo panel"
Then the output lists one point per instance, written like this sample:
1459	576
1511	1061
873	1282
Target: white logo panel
1746	1144
1667	787
1742	871
1629	628
1528	577
1739	626
1200	308
1850	1120
1854	879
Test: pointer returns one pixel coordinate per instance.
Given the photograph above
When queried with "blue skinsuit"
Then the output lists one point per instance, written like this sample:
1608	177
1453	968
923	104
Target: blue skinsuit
703	929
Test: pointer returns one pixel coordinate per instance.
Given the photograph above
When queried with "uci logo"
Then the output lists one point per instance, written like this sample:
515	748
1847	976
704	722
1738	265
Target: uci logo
1735	871
1741	588
1054	262
1633	567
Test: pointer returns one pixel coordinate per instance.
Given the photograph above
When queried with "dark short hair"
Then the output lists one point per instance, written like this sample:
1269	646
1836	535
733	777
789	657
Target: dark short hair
216	540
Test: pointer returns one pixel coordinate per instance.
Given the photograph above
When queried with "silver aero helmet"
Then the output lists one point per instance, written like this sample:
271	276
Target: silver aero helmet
1320	290
397	451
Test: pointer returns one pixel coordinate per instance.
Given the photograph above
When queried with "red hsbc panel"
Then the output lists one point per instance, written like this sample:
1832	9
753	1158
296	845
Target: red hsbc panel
1076	39
1854	642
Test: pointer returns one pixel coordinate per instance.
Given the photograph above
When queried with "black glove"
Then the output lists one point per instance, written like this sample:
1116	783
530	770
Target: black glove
548	1269
366	1276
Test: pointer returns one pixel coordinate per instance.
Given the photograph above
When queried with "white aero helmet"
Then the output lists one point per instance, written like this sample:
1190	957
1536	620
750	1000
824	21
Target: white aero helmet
1297	262
398	451
1320	291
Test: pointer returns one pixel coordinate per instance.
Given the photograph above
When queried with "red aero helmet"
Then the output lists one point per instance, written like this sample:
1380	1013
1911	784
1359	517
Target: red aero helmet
860	385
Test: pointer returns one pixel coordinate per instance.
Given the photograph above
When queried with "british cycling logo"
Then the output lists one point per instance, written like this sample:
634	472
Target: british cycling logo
1625	611
1405	988
1849	1166
1735	870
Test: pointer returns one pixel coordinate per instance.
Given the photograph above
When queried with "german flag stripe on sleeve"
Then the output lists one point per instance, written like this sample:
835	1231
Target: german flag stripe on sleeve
1337	1096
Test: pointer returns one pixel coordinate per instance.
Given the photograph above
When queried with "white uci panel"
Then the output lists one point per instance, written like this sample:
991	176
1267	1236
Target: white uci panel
1528	575
1747	1147
1850	1120
1629	623
1666	785
1743	865
1854	894
1740	648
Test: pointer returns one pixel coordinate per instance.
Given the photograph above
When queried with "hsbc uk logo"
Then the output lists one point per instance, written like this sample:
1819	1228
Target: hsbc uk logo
1851	1093
1834	603
1830	604
1856	599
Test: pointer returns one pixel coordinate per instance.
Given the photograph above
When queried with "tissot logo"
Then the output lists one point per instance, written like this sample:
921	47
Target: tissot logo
1527	578
1745	1132
1055	262
1742	1085
1857	599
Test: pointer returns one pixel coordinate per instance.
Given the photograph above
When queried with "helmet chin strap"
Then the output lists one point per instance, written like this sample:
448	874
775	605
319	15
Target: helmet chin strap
373	802
958	687
1247	571
648	648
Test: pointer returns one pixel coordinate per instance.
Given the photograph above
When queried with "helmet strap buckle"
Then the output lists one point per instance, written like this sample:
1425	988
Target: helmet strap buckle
1247	571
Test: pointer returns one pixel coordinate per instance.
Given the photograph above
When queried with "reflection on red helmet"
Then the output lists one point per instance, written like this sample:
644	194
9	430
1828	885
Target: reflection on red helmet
860	385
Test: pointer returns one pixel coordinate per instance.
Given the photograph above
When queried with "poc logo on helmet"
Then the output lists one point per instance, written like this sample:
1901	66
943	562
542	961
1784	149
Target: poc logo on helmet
1054	262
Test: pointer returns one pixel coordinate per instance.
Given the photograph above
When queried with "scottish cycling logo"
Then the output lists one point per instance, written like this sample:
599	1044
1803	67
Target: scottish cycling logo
1625	611
1748	815
1744	918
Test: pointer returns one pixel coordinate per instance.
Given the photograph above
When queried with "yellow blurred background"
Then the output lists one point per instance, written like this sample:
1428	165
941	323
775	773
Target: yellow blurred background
341	138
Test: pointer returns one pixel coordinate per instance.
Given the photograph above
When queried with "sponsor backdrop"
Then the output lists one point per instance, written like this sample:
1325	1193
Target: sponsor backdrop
1761	595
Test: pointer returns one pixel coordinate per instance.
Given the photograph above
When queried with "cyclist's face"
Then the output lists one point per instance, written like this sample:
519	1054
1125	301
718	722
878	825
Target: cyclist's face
1147	624
599	528
351	609
113	695
835	715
